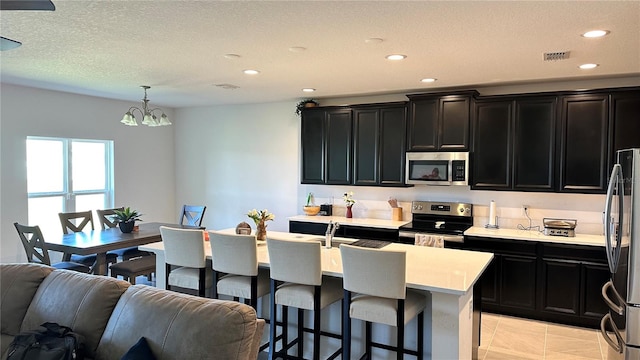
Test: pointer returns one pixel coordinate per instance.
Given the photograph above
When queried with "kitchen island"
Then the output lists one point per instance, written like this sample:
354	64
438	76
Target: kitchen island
448	277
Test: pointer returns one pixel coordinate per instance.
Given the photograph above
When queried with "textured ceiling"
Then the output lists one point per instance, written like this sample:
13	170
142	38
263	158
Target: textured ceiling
110	48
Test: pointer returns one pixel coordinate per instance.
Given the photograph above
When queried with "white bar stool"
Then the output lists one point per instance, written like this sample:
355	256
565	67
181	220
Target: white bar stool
296	281
375	291
184	248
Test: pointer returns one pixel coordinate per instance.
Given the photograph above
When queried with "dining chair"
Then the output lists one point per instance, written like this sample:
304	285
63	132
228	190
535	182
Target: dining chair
77	222
234	259
375	291
297	281
193	214
185	261
106	222
37	252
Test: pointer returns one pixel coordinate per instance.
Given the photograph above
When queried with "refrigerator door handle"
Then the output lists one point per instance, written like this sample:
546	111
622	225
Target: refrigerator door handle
613	254
616	345
619	307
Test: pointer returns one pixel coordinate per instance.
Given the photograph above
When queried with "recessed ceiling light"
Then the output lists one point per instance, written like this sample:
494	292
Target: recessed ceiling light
231	56
595	33
373	40
251	72
428	80
308	89
588	66
396	57
296	49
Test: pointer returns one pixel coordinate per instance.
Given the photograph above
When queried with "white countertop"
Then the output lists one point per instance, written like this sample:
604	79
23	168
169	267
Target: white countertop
364	222
533	235
431	269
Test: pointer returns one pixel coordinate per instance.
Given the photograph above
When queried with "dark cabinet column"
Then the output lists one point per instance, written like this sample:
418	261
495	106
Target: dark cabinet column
584	143
423	126
339	147
313	147
534	144
366	146
625	120
393	130
454	125
492	145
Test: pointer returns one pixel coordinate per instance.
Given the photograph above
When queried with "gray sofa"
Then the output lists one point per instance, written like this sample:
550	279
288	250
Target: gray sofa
112	315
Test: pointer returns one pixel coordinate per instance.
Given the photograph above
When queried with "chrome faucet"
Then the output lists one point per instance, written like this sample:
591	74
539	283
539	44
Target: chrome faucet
331	230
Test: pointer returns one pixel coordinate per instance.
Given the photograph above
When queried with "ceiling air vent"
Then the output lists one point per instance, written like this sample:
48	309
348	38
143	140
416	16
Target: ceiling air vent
227	86
558	55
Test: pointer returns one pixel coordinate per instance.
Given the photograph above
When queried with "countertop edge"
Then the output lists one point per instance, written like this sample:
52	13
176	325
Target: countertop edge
360	222
532	235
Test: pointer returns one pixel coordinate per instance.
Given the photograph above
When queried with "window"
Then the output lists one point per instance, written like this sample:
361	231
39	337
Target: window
66	175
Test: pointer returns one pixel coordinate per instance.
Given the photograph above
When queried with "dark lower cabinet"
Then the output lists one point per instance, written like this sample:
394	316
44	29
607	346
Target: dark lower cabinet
546	281
353	232
561	286
518	282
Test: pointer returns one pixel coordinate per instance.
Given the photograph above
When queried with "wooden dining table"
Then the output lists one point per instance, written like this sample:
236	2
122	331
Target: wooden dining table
101	241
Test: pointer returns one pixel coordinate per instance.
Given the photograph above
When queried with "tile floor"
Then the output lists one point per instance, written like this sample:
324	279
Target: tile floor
505	337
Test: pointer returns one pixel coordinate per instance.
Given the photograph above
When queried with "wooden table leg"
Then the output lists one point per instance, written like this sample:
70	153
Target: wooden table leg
100	268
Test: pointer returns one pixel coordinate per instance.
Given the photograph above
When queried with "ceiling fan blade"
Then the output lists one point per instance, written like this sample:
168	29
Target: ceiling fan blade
27	5
8	44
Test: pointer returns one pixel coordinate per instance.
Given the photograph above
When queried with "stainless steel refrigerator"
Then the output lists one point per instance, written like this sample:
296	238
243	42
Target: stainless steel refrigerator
621	325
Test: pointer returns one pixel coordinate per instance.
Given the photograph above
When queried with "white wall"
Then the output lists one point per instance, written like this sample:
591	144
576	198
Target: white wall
144	157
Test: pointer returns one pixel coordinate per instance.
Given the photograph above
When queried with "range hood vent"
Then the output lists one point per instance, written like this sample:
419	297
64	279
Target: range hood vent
557	55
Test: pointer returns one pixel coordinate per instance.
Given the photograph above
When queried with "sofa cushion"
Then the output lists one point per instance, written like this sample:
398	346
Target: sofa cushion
18	285
82	302
180	326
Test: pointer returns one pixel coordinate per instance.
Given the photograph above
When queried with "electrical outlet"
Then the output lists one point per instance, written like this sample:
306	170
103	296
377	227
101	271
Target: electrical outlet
525	210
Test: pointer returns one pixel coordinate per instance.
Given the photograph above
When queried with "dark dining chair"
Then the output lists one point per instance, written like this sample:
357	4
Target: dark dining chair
77	222
193	214
37	252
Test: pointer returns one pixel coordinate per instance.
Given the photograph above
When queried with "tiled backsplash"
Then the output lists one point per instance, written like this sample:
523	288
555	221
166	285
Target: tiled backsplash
509	217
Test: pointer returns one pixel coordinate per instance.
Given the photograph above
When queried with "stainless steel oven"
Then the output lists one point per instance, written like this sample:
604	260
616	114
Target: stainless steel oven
445	220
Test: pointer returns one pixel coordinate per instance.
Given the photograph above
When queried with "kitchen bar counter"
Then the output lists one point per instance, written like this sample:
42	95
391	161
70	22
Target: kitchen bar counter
447	275
533	235
363	222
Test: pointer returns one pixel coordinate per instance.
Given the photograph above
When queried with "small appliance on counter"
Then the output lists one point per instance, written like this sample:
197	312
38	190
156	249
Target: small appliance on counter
326	210
559	227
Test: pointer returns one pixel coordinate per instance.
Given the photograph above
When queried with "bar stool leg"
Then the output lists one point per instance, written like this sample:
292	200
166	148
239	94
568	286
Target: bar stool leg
346	326
273	321
300	339
400	318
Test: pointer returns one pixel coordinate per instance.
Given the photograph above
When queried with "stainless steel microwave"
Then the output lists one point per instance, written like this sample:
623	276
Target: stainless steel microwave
437	168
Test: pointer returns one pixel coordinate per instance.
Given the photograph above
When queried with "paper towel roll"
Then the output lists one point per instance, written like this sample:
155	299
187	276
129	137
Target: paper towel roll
492	213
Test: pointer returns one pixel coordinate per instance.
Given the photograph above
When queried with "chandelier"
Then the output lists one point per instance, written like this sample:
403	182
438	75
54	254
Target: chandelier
149	117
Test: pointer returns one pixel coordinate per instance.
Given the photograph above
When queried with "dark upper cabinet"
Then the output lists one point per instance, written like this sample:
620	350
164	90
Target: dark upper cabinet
534	144
584	143
492	145
326	146
440	122
313	145
379	145
625	121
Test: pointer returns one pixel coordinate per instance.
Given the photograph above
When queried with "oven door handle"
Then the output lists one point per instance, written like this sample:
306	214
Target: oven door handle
449	238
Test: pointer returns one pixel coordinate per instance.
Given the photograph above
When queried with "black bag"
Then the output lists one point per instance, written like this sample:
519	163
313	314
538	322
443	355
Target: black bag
51	342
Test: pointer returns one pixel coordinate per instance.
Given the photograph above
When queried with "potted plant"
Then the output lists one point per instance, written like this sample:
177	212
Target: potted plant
304	104
126	219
